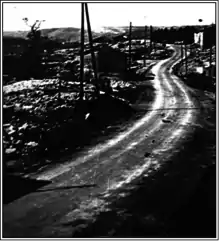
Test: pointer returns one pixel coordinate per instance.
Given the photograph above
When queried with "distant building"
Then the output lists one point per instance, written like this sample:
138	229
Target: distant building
111	60
198	39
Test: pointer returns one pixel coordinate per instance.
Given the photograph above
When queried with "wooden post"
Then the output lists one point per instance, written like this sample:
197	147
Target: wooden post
145	44
82	53
130	33
151	32
186	67
92	49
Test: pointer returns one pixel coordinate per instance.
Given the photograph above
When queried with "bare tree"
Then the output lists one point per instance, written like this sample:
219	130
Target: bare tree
35	50
34	32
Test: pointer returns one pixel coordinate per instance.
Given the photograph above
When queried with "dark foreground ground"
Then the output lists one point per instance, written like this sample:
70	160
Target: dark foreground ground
176	201
181	203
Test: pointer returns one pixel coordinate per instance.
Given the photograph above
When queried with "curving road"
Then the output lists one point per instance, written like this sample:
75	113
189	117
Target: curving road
81	188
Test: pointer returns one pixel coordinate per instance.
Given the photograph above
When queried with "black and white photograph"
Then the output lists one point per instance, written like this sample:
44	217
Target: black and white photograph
109	120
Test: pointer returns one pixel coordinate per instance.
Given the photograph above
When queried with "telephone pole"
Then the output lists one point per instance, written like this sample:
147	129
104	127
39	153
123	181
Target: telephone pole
82	53
130	33
151	32
145	44
92	49
186	67
181	45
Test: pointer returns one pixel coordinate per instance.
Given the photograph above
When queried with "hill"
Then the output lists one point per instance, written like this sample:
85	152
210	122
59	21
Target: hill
63	34
73	34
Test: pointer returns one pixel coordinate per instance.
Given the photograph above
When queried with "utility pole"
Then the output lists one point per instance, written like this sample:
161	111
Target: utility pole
181	45
145	44
151	32
186	67
181	51
82	53
92	49
130	33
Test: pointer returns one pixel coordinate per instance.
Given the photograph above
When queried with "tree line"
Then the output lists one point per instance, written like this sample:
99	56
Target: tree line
185	34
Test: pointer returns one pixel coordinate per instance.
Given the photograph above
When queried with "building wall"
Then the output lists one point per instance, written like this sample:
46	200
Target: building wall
198	39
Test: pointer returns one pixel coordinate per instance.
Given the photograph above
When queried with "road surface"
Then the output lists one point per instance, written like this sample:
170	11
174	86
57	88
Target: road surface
80	189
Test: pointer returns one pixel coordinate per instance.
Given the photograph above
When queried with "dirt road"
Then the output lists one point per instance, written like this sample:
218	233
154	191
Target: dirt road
82	188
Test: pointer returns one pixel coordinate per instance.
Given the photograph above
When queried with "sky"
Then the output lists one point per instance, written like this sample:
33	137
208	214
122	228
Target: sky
68	14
